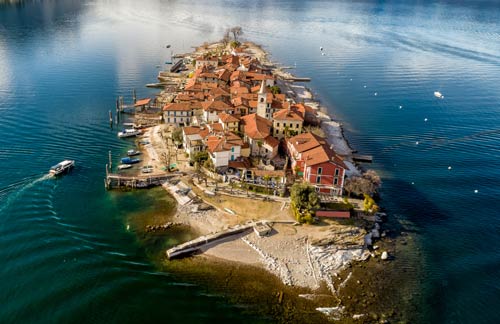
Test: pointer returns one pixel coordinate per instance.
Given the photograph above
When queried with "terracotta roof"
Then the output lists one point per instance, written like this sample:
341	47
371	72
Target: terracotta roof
305	141
226	118
333	213
256	127
177	106
215	105
142	102
191	130
321	154
215	127
223	143
271	141
285	114
243	164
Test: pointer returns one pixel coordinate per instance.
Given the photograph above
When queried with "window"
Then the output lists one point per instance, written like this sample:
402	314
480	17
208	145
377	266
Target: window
175	120
336	172
175	113
320	169
296	125
277	124
336	181
318	179
232	157
232	149
261	99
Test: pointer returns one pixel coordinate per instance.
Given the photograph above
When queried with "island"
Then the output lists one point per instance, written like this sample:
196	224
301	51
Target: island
259	169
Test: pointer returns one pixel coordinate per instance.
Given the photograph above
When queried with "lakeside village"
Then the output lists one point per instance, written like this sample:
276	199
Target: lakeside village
250	156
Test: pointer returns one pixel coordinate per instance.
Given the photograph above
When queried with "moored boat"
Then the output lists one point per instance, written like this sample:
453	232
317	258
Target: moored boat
61	167
129	132
124	166
133	152
128	160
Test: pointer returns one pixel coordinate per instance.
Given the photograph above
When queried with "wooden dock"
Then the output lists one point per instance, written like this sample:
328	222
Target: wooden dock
362	158
138	181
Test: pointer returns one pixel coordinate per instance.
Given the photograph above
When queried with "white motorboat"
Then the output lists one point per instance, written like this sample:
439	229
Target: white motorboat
129	132
124	166
438	94
133	152
61	167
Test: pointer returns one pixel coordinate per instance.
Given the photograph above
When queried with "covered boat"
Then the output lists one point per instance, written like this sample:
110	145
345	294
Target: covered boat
129	132
62	167
128	160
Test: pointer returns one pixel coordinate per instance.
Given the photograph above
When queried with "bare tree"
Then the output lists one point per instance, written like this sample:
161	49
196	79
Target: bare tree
236	31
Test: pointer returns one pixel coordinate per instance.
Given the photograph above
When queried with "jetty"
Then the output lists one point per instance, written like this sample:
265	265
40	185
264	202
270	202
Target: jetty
362	158
138	181
196	244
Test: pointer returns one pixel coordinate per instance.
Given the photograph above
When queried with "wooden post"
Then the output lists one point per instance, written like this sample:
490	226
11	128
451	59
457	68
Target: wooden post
134	96
110	119
106	171
110	162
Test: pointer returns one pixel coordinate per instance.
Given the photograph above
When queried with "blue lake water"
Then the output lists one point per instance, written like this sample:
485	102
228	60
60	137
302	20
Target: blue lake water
65	252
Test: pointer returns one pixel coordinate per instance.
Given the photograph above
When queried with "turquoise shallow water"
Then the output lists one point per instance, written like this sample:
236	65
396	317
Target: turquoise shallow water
64	247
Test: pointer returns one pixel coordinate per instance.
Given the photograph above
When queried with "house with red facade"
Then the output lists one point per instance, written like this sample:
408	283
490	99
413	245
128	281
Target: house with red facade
316	163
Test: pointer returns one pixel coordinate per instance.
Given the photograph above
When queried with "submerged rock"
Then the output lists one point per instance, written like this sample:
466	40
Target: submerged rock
384	255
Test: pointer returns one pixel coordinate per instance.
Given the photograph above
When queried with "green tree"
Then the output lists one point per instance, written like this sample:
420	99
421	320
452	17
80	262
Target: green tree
275	89
200	157
209	164
304	202
177	135
369	205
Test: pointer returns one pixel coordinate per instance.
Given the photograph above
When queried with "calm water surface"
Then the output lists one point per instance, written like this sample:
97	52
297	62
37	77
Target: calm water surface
65	251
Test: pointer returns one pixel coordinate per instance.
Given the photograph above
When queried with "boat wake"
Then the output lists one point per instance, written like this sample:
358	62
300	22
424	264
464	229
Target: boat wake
10	193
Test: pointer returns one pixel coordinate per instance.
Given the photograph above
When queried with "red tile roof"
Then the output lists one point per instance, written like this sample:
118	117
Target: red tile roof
305	141
142	102
271	141
226	118
177	106
215	105
256	127
286	114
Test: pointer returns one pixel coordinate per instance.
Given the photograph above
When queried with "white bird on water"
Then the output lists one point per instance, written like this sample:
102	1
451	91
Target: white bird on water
322	54
400	107
364	86
321	48
375	94
449	168
416	142
476	191
425	119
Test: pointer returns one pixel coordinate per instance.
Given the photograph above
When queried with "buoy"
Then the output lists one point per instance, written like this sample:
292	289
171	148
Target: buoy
425	119
476	191
400	107
375	94
449	168
322	54
413	183
364	86
321	48
416	142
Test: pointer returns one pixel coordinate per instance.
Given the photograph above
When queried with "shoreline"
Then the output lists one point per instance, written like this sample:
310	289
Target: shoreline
288	253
